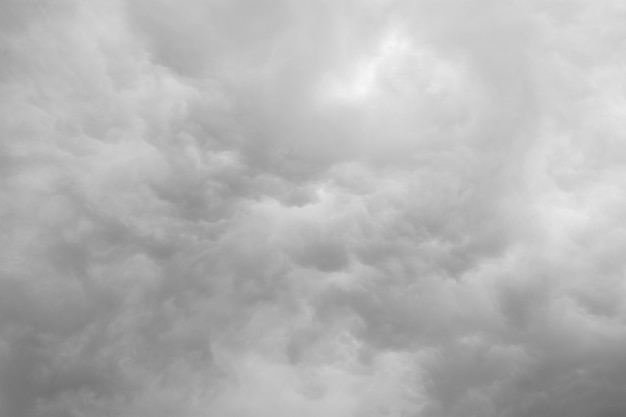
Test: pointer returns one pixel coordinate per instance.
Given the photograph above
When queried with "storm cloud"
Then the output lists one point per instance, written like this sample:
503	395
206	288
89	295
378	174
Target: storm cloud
379	208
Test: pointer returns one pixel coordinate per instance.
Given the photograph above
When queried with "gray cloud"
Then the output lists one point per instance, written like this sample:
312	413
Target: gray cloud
373	208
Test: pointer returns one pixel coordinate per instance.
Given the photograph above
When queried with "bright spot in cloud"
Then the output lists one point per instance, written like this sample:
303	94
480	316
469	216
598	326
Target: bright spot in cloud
361	81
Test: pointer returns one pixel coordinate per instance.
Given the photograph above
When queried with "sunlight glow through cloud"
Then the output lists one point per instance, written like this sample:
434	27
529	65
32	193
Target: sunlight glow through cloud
362	82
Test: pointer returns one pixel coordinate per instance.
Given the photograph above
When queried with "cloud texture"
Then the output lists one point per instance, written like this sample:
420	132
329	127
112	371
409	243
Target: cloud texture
373	208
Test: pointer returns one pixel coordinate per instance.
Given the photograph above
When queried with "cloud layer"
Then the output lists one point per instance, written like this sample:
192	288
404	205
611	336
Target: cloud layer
315	208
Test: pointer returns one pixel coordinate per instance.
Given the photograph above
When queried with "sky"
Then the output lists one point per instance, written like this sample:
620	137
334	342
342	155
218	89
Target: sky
313	208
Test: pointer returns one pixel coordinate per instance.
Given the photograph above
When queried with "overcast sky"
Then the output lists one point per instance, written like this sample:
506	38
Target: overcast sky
312	208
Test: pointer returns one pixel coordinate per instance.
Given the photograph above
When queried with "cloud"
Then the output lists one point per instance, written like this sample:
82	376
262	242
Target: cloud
378	208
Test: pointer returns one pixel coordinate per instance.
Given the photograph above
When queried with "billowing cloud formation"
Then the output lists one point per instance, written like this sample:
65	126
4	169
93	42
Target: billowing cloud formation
314	208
